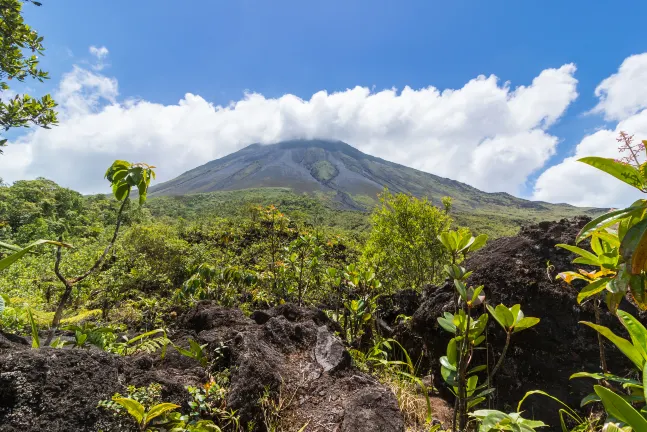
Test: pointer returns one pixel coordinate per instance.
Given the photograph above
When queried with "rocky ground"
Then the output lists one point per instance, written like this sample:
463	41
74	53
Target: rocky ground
294	352
290	350
516	270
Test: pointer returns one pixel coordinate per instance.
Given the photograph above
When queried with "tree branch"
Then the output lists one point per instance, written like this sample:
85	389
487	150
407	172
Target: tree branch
99	261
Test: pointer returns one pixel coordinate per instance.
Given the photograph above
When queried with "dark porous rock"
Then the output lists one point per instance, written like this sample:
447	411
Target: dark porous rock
57	390
372	409
515	270
330	351
292	352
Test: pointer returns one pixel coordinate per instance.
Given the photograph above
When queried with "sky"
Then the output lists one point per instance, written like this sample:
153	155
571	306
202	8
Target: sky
502	95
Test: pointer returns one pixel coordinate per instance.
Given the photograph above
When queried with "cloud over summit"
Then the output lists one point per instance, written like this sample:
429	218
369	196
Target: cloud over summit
486	133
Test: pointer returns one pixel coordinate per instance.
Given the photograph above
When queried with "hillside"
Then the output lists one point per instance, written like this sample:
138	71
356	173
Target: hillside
341	178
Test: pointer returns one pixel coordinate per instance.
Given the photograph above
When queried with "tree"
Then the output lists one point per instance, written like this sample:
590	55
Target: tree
403	242
123	176
17	39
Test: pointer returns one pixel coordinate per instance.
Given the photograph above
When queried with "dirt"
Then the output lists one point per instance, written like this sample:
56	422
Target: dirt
290	351
515	270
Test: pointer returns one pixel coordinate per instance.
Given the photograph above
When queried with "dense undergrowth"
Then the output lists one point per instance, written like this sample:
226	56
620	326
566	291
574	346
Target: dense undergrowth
130	293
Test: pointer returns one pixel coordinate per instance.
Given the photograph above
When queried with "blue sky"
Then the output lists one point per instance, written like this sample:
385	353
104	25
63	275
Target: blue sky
159	51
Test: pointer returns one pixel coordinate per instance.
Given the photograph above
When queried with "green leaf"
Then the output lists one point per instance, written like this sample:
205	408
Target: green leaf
525	323
608	219
478	243
624	172
133	407
623	344
636	330
447	324
477	369
444	361
506	314
8	260
452	352
588	257
498	317
621	409
592	289
634	247
158	410
462	289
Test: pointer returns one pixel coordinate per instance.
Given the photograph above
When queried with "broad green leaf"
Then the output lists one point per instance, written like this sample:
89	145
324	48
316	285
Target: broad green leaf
447	324
498	317
592	289
462	289
452	352
506	314
626	173
8	260
444	361
476	369
517	315
588	257
478	243
133	407
525	323
475	402
621	409
634	247
158	410
606	220
636	330
590	398
568	410
623	344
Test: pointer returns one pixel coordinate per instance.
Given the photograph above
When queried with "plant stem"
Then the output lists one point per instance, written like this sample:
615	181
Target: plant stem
69	283
603	359
500	362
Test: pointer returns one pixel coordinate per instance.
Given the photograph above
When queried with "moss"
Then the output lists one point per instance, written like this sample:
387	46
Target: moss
323	171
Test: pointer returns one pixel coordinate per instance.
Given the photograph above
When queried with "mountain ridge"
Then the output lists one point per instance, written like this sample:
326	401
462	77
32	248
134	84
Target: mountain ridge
332	167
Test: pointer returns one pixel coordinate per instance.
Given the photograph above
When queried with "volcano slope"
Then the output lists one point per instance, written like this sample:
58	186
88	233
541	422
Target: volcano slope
517	270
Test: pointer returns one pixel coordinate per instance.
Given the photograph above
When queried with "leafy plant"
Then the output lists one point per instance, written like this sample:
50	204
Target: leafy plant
123	176
20	252
493	420
195	351
403	243
18	37
90	333
144	416
512	320
148	342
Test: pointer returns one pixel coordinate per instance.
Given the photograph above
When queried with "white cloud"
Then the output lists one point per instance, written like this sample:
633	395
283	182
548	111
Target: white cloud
622	97
624	93
101	53
486	134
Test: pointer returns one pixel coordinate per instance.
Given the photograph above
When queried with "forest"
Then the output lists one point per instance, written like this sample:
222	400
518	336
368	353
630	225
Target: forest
268	310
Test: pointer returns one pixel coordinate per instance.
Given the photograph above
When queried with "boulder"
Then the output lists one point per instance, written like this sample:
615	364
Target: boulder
516	270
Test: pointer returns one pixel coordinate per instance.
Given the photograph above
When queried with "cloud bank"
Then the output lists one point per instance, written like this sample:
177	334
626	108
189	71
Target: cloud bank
487	133
622	98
